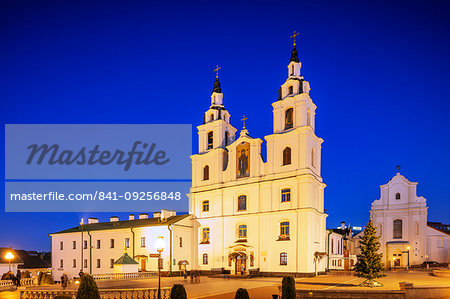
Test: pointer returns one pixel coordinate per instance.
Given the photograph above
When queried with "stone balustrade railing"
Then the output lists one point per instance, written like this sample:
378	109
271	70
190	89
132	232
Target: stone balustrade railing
104	293
136	275
8	284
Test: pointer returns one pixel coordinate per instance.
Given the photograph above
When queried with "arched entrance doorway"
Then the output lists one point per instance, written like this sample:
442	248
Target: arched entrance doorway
239	259
183	266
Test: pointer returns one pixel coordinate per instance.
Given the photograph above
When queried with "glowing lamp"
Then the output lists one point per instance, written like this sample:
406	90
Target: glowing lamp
9	256
160	244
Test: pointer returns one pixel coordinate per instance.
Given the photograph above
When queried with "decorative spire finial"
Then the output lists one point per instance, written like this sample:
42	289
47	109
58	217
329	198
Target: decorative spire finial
294	53
243	120
294	35
217	71
398	168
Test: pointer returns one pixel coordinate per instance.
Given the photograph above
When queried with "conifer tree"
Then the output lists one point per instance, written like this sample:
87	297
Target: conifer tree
369	265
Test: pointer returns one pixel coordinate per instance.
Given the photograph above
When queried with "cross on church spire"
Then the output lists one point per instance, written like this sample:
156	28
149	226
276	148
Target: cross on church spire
217	71
294	35
243	120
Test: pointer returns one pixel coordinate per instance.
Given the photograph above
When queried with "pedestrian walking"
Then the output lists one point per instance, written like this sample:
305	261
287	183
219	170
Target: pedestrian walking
18	278
64	281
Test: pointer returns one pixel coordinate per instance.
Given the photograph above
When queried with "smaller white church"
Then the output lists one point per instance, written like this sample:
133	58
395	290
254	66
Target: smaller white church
406	236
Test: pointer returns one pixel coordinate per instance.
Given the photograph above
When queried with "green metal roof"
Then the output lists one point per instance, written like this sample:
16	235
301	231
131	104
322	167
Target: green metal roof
123	224
125	259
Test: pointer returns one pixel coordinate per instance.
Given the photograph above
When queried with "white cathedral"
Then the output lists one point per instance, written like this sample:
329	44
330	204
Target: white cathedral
256	214
245	214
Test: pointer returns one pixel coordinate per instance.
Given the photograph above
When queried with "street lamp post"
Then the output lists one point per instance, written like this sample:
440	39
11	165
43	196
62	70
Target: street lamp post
9	256
407	267
82	245
160	244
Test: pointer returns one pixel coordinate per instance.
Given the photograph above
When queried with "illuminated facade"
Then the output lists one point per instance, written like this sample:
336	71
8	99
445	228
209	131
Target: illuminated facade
401	220
101	248
254	214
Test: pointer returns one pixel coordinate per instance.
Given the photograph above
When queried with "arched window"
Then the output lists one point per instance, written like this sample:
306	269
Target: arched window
210	140
291	89
397	196
398	229
288	118
285	195
332	246
211	117
242	231
205	259
242	203
283	258
292	69
206	173
205	206
308	118
284	229
205	234
227	138
417	228
287	156
313	158
380	228
339	263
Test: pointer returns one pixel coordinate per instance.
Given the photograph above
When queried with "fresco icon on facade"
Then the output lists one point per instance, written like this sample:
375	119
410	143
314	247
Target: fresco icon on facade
243	160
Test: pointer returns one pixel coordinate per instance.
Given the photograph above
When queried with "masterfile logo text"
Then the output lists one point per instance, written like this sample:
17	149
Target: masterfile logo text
100	168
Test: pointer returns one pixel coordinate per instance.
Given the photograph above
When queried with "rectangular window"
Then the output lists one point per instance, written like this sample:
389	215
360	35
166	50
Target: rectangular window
380	227
398	229
417	228
142	241
205	234
242	203
111	243
111	263
61	245
285	195
74	245
242	231
440	242
98	263
74	263
85	263
283	258
127	242
181	242
284	229
85	244
98	244
205	206
61	264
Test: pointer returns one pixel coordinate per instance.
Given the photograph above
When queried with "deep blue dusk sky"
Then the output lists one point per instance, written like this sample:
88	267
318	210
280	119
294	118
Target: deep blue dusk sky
379	73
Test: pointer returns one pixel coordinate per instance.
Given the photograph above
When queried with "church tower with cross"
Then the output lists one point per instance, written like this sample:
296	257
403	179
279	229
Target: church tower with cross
253	215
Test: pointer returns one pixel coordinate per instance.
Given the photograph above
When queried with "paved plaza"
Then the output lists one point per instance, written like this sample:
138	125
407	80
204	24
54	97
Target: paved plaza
220	288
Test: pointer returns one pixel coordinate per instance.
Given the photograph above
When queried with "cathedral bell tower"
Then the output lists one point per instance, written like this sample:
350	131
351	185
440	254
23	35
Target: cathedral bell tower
294	119
216	130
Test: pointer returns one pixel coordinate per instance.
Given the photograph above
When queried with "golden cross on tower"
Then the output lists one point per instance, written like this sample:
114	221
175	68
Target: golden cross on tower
243	120
217	71
294	35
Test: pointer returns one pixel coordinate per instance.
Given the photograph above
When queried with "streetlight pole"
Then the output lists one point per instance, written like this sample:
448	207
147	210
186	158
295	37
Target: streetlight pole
407	268
160	244
81	245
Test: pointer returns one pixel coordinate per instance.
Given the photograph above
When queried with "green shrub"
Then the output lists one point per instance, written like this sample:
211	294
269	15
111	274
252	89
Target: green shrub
288	288
241	294
88	288
178	292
